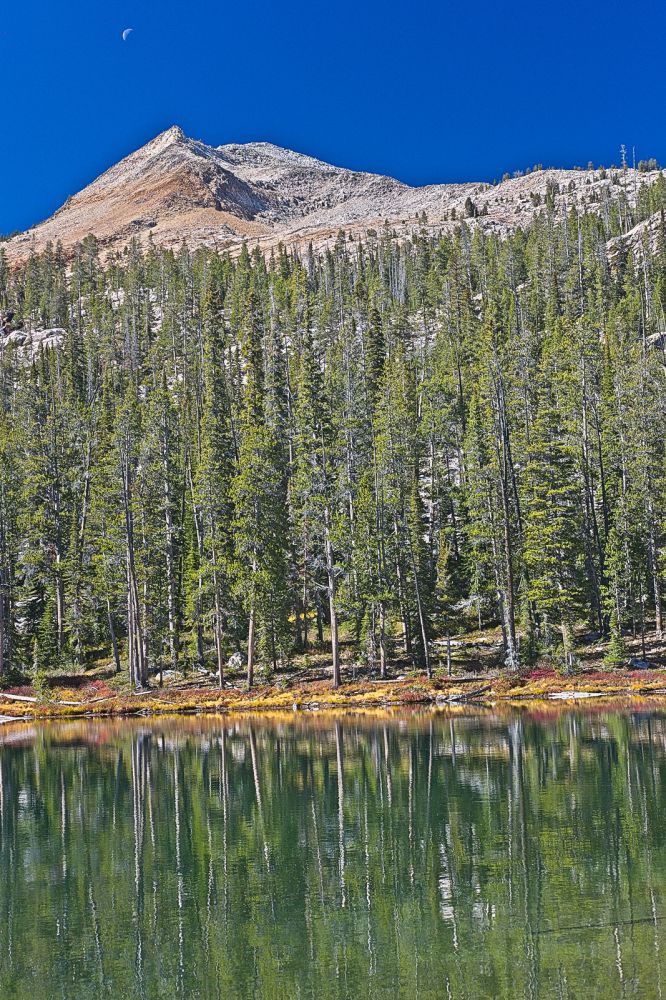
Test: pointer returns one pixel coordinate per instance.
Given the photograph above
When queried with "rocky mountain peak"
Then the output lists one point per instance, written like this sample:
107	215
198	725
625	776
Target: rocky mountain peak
177	189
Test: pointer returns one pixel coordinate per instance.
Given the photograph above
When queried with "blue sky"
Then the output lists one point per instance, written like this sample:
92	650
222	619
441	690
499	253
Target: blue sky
425	91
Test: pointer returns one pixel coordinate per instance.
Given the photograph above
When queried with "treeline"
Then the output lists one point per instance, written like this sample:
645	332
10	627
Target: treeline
402	440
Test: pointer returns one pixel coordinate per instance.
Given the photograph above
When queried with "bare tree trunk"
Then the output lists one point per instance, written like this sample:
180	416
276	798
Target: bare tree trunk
197	604
382	640
59	579
2	625
566	646
137	660
131	666
250	648
142	609
654	571
305	588
419	608
112	635
170	560
138	673
330	575
171	598
512	650
404	613
506	481
60	602
218	633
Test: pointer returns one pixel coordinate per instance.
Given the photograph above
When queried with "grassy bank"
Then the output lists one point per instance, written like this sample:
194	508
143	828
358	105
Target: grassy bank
99	698
477	677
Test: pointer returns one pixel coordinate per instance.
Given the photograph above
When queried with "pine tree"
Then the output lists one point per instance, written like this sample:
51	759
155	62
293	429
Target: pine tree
211	479
553	533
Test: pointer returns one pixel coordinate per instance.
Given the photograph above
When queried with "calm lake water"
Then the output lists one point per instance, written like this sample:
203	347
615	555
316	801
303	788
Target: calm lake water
475	855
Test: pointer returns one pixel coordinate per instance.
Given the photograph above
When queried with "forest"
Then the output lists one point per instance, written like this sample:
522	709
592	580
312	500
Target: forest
387	443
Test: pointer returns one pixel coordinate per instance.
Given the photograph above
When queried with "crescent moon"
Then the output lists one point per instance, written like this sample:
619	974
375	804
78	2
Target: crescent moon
126	32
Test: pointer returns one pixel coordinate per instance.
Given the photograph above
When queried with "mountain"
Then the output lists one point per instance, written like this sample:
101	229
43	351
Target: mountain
179	189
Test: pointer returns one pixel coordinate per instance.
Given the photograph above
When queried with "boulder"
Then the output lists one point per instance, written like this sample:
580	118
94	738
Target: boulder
30	342
235	661
637	664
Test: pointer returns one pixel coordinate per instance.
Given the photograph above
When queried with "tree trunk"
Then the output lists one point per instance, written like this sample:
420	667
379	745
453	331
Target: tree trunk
218	616
320	620
138	672
419	608
506	482
404	613
382	640
136	649
330	576
654	570
170	560
112	635
2	626
60	603
218	633
250	649
198	529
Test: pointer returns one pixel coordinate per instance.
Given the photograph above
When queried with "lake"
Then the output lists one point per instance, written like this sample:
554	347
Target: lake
467	855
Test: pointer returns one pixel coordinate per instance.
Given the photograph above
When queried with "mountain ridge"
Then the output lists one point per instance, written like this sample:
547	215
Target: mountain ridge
176	189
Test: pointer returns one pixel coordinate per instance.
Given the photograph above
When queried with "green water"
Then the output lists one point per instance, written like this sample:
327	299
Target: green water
477	856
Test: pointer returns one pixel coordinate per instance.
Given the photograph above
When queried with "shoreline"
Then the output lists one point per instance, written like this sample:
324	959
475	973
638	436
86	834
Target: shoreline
483	690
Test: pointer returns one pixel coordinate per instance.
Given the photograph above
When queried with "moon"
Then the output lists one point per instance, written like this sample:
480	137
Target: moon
126	33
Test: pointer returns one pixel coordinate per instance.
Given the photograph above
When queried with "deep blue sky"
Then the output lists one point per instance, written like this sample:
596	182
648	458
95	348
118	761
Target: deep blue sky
425	90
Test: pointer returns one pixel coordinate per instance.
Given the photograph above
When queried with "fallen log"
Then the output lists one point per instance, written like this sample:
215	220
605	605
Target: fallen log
464	695
25	697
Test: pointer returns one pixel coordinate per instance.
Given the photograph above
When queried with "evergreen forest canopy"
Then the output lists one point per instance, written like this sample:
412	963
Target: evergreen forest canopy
394	441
